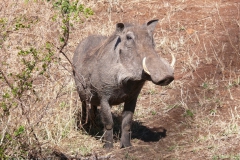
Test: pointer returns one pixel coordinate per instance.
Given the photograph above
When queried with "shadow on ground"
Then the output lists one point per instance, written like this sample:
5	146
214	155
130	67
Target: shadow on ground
139	131
146	134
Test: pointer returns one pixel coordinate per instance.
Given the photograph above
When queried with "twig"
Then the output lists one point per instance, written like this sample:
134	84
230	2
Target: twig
6	80
66	38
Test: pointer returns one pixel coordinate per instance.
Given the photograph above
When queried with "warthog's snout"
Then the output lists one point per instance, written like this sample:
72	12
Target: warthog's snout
159	70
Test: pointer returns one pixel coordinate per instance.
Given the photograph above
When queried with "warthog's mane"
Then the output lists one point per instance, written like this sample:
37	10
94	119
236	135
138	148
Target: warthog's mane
100	49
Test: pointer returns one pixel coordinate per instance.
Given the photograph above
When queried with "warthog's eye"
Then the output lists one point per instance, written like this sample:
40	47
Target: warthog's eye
129	37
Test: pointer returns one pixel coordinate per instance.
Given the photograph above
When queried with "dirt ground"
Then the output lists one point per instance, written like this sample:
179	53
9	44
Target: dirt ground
196	117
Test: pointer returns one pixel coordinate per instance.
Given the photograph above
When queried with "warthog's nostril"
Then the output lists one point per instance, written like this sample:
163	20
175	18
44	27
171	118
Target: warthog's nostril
166	81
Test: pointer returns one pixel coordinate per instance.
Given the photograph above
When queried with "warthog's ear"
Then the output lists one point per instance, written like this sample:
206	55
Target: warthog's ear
119	27
151	25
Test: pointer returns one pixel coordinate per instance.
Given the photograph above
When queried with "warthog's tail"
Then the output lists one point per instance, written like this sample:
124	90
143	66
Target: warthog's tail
88	116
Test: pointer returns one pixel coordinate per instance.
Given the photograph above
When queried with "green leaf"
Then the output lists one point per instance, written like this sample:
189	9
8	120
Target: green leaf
19	131
6	95
189	113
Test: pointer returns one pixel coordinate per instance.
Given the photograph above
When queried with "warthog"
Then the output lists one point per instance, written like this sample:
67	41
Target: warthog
112	70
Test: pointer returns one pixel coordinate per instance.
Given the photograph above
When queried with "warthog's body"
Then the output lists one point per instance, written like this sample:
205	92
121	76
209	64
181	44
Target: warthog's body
110	71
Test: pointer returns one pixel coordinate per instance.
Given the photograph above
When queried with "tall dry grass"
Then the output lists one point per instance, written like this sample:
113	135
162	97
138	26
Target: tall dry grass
38	98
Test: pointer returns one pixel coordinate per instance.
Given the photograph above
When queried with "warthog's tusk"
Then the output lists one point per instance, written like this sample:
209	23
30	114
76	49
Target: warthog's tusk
173	60
144	66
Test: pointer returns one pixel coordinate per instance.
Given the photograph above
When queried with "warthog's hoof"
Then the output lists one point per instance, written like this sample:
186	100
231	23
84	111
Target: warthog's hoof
124	145
108	145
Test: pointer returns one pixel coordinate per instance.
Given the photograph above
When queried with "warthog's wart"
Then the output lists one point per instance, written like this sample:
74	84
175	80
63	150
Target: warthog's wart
112	70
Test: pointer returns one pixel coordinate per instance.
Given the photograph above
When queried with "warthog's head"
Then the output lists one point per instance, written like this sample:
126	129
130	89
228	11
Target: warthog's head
135	47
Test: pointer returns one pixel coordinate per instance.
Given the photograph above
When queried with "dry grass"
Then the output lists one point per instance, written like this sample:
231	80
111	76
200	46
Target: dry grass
50	107
200	109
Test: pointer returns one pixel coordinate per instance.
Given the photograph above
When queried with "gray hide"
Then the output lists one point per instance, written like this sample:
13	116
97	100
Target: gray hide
112	70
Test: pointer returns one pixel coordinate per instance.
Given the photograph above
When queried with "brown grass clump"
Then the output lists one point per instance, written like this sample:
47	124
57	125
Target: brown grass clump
195	117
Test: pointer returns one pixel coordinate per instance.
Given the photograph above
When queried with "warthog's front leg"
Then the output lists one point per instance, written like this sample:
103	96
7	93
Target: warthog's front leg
108	124
127	116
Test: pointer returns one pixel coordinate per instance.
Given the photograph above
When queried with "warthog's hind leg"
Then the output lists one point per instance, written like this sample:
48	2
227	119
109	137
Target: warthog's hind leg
84	115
